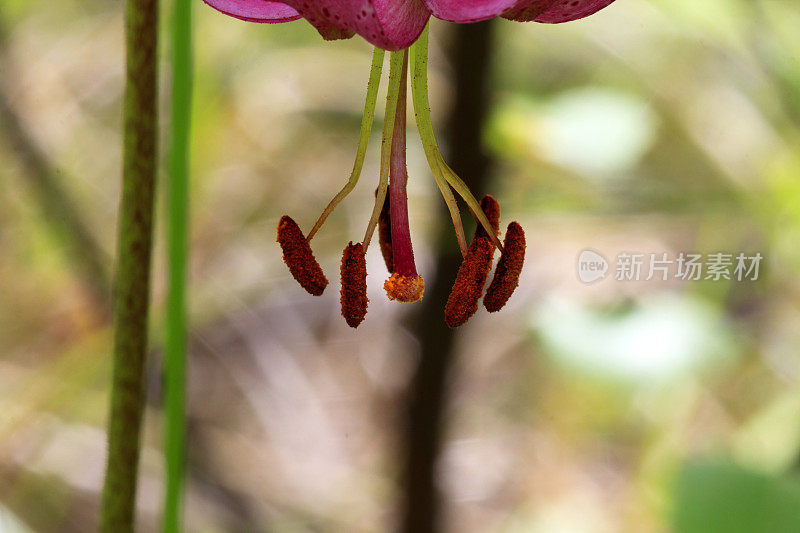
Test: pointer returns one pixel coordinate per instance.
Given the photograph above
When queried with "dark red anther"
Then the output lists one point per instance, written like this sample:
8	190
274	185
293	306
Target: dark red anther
506	275
299	258
354	285
471	278
492	211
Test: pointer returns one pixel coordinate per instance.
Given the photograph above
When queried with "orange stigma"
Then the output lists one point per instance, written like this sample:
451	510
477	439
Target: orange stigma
403	288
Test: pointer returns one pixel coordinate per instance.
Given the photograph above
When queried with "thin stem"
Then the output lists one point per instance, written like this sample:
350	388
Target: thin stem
443	174
134	245
402	251
177	252
396	65
363	139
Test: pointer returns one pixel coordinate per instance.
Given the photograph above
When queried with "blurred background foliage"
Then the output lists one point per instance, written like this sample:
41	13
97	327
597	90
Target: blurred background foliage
654	126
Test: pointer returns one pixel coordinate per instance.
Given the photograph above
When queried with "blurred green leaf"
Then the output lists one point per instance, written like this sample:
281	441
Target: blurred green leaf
719	497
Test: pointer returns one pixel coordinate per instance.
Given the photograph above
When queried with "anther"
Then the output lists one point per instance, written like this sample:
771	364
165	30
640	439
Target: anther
299	258
491	208
471	278
354	285
506	275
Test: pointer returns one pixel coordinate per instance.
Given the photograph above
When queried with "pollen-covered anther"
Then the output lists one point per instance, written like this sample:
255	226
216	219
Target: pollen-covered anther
354	285
491	208
404	288
468	286
506	275
471	278
299	258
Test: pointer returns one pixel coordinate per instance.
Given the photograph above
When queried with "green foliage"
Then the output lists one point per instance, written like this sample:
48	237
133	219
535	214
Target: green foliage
720	497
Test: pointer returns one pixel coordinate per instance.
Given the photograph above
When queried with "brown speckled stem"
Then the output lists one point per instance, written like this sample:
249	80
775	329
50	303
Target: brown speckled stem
132	287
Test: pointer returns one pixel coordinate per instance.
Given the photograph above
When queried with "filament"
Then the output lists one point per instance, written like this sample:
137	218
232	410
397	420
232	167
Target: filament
445	176
363	139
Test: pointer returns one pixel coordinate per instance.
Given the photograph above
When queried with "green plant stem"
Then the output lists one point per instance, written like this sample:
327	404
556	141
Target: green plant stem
177	252
132	285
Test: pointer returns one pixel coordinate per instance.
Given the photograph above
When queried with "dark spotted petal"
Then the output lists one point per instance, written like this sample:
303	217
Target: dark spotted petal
554	11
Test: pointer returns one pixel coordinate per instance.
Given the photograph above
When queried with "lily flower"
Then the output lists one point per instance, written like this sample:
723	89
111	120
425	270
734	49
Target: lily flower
400	26
396	24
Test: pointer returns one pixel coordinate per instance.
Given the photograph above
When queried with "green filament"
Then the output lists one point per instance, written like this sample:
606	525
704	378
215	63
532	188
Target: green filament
445	176
363	139
473	204
397	63
422	108
452	205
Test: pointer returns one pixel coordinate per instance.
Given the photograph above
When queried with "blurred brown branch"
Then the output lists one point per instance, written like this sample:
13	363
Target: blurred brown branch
471	59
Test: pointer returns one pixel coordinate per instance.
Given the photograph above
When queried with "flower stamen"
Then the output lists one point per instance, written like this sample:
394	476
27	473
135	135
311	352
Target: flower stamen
491	208
299	258
354	285
509	268
474	270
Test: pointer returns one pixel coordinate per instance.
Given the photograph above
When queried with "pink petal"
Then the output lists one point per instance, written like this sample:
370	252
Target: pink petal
388	24
468	10
255	10
555	11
